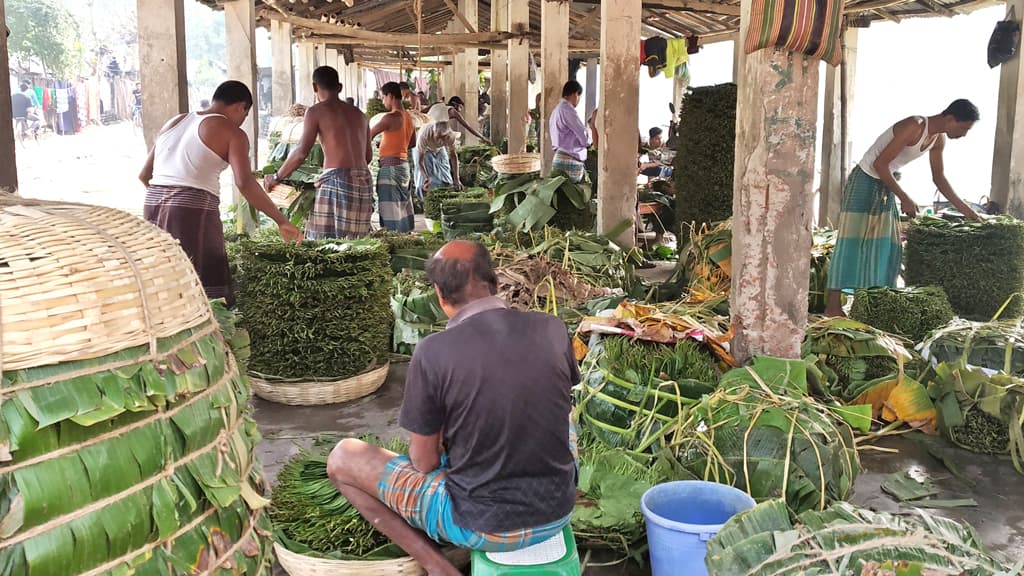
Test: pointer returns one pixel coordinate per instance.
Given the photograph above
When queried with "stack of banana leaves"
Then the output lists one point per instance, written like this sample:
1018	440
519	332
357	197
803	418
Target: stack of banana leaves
858	365
297	192
763	433
992	345
844	540
463	217
417	311
435	197
234	334
979	409
312	518
531	203
475	165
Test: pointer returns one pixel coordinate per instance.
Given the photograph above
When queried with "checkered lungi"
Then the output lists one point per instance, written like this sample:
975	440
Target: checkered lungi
572	167
343	206
394	195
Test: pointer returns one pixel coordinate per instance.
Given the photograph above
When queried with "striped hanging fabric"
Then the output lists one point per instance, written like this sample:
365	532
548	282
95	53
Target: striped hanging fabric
810	27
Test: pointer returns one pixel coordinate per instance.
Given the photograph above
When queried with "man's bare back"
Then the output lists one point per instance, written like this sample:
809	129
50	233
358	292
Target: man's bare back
343	132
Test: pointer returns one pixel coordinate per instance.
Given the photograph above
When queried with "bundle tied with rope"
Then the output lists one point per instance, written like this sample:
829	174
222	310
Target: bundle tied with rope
125	441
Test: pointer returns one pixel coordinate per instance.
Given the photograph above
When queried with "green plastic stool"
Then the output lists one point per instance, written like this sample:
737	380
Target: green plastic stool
555	556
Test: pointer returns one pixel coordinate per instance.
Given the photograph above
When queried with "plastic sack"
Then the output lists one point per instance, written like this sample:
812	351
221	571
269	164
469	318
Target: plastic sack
1002	45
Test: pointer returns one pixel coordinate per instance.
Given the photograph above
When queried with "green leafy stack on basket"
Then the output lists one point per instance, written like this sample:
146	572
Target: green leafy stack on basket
375	106
703	166
992	345
417	311
435	197
845	540
908	312
853	356
980	265
312	518
463	217
475	165
633	394
409	251
317	310
531	203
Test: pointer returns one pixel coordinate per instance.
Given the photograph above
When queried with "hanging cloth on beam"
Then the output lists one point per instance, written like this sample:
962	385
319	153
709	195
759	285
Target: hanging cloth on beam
676	56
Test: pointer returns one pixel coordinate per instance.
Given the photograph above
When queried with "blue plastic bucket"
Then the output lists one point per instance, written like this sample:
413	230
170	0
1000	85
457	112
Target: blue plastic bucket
681	517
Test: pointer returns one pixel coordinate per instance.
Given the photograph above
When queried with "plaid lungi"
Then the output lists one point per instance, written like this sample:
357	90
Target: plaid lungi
394	196
868	250
343	206
192	217
572	167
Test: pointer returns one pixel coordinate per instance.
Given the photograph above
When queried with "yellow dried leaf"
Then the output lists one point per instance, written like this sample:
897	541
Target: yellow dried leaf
909	401
579	348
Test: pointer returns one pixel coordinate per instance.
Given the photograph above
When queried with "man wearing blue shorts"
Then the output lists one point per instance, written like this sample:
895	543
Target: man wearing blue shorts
487	404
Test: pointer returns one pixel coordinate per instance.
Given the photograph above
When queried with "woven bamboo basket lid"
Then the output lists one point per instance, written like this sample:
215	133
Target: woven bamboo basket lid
517	163
283	195
106	282
301	565
291	130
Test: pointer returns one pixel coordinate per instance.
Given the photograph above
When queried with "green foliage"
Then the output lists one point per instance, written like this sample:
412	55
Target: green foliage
417	311
537	202
436	196
374	106
853	357
44	31
315	310
409	251
475	165
464	217
993	345
979	264
703	167
823	244
909	312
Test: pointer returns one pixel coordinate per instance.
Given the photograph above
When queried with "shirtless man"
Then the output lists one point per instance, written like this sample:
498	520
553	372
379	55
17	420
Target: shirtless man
344	190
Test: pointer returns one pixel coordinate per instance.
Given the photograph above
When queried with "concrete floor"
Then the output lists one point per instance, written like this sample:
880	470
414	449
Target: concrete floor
991	481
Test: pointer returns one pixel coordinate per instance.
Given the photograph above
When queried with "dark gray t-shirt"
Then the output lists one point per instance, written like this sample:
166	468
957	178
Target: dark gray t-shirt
497	382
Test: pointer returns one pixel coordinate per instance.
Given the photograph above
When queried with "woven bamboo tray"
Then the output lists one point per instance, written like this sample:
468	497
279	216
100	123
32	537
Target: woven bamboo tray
518	163
300	565
283	194
317	393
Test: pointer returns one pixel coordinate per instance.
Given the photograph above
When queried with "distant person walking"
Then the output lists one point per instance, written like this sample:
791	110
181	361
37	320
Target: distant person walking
394	195
182	176
344	190
868	252
569	137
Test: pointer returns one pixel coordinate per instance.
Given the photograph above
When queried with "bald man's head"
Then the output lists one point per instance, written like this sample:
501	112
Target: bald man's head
462	272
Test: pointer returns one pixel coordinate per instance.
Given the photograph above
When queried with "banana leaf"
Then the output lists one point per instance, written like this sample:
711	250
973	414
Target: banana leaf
992	345
417	312
845	540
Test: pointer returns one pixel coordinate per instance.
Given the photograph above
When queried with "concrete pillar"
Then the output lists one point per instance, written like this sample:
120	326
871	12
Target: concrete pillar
618	118
467	70
771	232
240	38
554	30
834	137
161	63
499	75
1007	160
518	75
8	165
281	66
591	87
304	74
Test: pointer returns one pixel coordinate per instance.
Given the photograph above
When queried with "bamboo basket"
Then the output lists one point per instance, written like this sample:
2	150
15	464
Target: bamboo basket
318	392
301	565
517	163
283	194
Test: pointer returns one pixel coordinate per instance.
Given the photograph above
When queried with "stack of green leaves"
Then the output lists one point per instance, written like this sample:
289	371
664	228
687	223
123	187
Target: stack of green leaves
437	196
703	166
132	463
980	265
316	310
312	518
531	203
417	311
375	106
992	345
409	251
475	165
465	217
908	312
593	258
853	356
823	244
234	334
845	540
634	393
761	432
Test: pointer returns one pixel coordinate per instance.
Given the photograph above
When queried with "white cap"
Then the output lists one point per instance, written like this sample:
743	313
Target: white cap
438	112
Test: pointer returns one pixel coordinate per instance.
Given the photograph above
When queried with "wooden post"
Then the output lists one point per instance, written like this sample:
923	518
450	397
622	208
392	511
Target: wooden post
332	60
467	69
8	164
518	75
618	117
283	83
321	55
499	75
771	232
834	163
591	87
161	63
1007	161
239	35
737	58
554	42
304	74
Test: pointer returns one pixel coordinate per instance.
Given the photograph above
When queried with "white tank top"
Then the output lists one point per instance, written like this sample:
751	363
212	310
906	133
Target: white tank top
867	163
182	159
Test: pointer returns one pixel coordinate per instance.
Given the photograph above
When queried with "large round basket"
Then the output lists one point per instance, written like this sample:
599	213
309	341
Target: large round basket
518	163
300	565
318	392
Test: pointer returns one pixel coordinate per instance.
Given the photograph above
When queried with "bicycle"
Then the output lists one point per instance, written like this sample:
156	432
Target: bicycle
23	131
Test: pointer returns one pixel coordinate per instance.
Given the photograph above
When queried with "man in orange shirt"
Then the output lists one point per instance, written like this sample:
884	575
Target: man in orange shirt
394	193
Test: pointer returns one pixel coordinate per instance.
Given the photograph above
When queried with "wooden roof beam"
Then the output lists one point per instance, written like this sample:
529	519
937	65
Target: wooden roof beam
470	27
687	5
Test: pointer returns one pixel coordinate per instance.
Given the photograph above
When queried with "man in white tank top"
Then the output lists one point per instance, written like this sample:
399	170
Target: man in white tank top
868	252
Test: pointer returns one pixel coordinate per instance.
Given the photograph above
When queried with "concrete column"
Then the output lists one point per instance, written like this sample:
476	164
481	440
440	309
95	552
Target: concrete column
771	233
834	137
518	75
554	29
161	63
618	119
1007	160
467	70
240	38
737	58
8	164
499	75
304	74
591	87
281	68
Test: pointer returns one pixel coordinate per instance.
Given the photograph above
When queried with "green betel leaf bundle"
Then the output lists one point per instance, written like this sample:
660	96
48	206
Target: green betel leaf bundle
909	312
703	166
435	197
464	217
409	251
992	345
417	311
980	265
845	540
317	310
